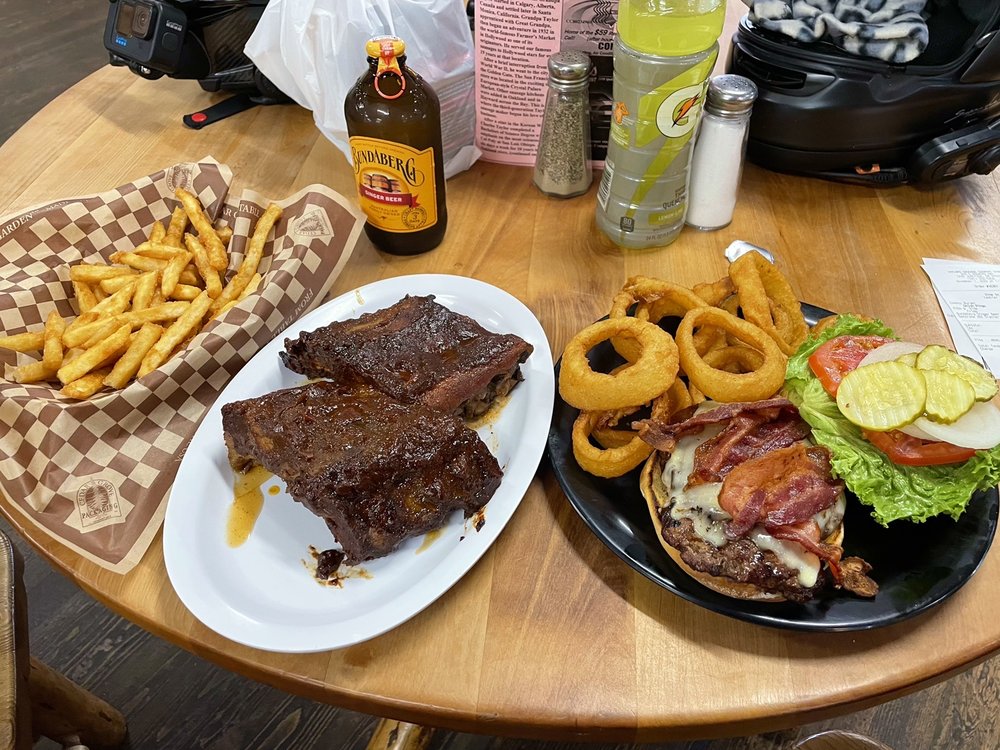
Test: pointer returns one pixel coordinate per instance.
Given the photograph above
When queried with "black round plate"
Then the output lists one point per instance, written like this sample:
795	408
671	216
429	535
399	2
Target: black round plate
916	565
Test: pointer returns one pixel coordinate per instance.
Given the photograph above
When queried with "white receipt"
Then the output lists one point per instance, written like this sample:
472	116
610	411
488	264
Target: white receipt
969	295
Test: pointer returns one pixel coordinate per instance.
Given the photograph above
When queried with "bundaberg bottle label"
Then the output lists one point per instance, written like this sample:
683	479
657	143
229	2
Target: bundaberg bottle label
396	185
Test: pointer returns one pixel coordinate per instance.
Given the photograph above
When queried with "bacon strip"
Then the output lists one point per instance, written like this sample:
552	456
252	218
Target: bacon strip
751	429
807	535
782	491
664	436
747	436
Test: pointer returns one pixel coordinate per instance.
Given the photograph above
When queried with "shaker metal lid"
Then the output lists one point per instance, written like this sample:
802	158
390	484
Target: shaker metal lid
569	66
730	94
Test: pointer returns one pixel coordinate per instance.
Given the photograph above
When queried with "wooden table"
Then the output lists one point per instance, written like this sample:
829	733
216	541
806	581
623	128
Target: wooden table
580	647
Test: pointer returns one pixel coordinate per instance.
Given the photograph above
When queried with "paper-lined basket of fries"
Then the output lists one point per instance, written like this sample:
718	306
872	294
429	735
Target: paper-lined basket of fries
123	315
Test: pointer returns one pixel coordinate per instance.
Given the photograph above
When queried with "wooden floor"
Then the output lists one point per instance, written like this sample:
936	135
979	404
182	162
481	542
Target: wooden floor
178	701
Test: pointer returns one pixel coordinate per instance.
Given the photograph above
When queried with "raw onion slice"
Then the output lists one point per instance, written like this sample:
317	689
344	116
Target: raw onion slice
978	428
891	351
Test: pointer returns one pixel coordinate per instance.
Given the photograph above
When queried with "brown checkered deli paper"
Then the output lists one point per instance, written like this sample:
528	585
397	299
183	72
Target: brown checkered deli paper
95	475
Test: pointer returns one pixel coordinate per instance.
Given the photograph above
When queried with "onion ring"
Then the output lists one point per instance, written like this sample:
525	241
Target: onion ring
718	384
609	437
736	358
647	377
655	299
671	401
669	299
760	285
715	292
608	462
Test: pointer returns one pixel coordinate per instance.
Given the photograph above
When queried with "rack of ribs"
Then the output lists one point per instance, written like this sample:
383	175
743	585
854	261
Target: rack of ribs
377	470
415	351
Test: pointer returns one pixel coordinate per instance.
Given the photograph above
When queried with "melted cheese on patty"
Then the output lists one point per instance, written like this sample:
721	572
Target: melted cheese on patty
700	504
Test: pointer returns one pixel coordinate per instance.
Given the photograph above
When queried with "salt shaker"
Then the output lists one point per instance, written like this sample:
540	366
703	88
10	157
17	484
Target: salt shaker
718	152
562	165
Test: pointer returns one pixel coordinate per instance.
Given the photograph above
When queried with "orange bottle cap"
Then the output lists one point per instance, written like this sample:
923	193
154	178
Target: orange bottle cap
385	47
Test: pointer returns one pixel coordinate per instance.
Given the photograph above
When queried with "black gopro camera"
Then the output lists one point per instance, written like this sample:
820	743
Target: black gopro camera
201	40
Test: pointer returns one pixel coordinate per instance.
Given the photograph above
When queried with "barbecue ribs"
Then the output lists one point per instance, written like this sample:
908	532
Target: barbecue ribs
375	469
415	351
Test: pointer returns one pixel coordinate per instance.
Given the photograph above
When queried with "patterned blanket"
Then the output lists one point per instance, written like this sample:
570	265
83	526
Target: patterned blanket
890	30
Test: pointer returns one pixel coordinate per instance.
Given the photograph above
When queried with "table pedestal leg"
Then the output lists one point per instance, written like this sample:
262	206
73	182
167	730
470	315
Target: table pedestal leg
65	712
399	735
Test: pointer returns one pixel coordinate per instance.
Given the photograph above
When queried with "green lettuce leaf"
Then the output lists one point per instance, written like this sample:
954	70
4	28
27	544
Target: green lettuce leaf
894	492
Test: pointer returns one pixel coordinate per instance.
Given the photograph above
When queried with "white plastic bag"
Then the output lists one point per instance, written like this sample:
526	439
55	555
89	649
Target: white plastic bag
314	51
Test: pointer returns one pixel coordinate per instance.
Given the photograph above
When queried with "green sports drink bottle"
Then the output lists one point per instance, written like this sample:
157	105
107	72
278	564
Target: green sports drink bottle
663	55
670	28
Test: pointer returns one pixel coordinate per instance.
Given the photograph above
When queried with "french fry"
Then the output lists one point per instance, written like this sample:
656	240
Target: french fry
101	330
95	356
145	306
186	292
204	265
52	349
157	233
170	276
23	342
255	251
91	273
81	320
80	335
70	354
115	283
175	334
144	288
190	276
85	297
76	335
157	250
196	215
155	313
225	234
86	386
116	303
139	262
34	372
178	221
250	288
128	365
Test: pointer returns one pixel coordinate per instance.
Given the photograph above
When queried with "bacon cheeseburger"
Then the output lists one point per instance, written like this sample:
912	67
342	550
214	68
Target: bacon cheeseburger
745	504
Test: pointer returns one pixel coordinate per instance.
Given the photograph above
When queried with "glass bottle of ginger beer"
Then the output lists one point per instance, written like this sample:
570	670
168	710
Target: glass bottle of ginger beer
394	126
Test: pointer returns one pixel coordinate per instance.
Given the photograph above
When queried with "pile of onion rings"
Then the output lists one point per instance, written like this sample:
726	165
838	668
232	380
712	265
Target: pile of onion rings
732	343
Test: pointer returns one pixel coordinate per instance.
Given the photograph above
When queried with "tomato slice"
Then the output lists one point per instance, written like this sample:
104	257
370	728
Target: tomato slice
837	357
910	451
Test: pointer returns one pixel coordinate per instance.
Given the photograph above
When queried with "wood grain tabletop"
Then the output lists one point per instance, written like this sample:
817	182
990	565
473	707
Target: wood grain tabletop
550	635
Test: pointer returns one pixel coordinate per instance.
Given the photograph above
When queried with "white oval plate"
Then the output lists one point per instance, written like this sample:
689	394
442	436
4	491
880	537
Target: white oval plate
262	594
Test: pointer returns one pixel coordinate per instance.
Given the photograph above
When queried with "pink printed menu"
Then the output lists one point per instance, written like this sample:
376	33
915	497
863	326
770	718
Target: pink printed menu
513	43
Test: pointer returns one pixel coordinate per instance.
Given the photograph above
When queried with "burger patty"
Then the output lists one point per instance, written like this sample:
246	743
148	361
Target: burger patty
740	560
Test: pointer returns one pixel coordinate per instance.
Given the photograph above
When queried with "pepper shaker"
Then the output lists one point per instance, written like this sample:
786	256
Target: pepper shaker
562	164
717	163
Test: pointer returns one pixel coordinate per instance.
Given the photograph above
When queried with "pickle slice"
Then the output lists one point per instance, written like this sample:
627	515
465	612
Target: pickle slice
882	396
938	358
908	359
948	396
